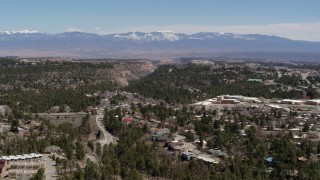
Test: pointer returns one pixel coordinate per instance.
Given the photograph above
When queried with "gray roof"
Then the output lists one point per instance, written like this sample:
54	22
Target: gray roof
52	149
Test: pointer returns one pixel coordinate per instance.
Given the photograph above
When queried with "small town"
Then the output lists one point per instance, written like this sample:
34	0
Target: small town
209	129
166	127
160	90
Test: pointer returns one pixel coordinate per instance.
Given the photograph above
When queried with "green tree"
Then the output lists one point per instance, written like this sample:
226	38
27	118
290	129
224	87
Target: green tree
39	175
14	126
90	171
78	173
79	150
305	127
134	175
90	145
189	136
98	149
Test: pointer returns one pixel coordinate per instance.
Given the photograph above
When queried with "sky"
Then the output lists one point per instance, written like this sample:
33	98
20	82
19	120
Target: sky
294	19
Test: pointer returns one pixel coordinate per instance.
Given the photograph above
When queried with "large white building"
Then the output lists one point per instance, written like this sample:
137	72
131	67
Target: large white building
313	102
292	101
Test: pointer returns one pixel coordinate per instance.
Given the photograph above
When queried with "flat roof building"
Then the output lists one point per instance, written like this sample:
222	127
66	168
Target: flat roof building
315	102
292	101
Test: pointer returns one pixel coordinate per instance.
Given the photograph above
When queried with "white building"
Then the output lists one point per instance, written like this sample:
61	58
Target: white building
315	102
292	101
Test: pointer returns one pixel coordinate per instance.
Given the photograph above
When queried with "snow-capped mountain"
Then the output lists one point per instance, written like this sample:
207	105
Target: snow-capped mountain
211	35
20	32
141	36
171	36
166	42
152	36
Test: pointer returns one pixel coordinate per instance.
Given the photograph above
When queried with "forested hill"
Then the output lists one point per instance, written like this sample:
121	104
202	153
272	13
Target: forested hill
39	85
191	81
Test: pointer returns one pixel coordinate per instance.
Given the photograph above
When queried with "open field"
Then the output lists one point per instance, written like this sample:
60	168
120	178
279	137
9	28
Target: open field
59	118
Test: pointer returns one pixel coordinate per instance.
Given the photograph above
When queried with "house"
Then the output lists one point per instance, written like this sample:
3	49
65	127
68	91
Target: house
269	170
94	111
127	120
204	143
180	147
292	173
274	106
217	153
242	132
187	156
303	136
33	123
3	168
52	149
255	80
292	101
157	131
302	159
161	138
230	101
208	159
22	157
269	160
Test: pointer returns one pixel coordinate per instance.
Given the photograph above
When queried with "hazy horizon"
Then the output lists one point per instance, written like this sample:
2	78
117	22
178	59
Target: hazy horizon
295	19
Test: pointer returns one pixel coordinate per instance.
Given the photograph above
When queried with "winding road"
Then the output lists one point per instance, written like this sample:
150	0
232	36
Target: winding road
108	138
304	77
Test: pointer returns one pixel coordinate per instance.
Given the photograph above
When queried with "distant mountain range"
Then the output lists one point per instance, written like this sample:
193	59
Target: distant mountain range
162	44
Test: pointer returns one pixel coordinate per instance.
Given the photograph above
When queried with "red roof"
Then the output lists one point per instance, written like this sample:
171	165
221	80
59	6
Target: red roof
127	120
302	158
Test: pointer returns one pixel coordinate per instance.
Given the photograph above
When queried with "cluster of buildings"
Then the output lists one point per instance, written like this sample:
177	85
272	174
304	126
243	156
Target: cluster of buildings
22	157
23	129
315	102
228	99
177	145
237	99
20	166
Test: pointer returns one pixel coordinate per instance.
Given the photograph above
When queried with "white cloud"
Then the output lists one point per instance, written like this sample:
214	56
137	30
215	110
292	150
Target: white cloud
73	29
97	28
295	31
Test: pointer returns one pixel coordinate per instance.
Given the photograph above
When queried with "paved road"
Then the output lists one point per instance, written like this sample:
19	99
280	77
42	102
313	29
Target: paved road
108	138
304	77
51	172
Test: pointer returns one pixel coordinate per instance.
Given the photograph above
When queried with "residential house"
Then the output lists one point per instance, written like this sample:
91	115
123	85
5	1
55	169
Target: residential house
217	153
269	160
127	120
187	156
53	149
208	159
